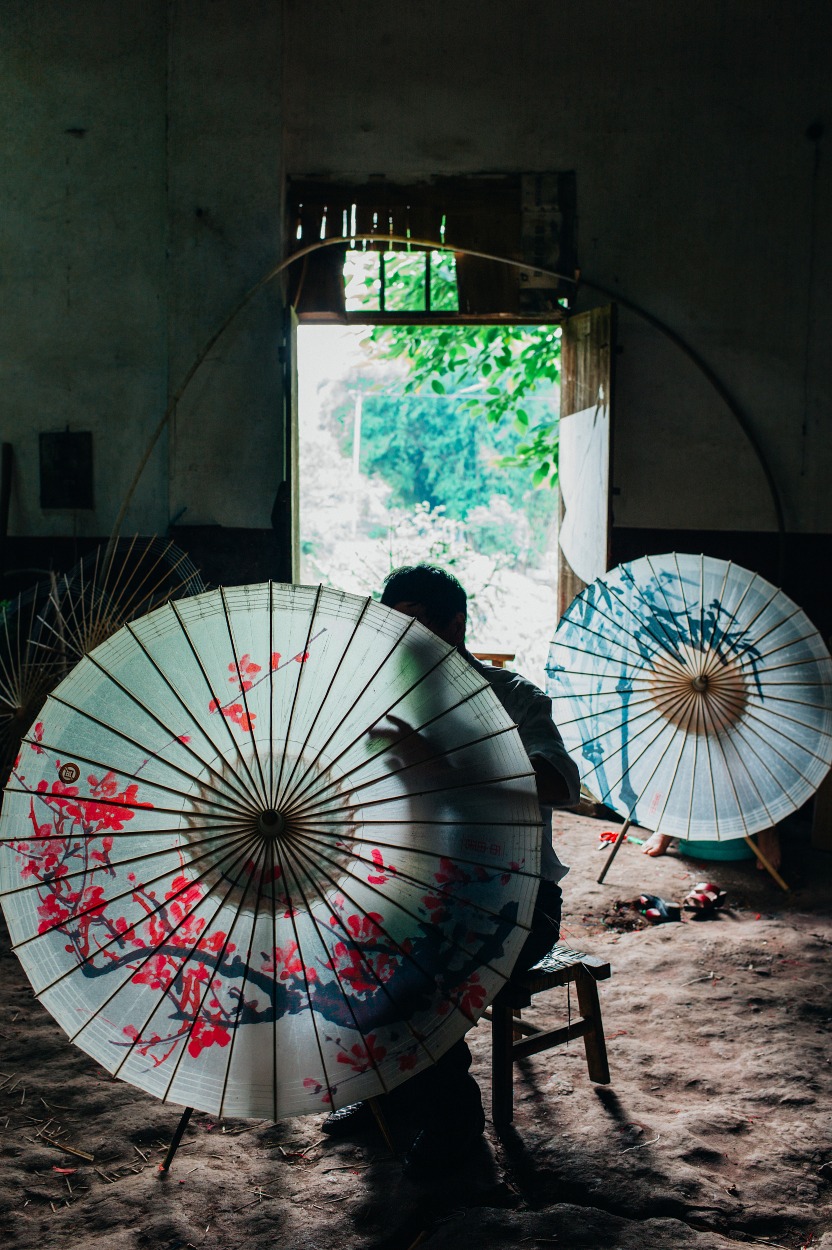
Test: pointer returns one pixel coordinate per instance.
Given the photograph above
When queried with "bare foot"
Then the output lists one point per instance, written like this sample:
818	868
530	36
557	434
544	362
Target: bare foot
768	840
657	844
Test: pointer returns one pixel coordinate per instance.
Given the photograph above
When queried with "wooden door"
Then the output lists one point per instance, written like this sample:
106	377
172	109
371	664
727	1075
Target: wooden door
586	405
285	514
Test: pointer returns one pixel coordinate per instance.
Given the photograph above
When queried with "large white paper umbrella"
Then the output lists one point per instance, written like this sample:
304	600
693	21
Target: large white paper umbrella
695	697
269	850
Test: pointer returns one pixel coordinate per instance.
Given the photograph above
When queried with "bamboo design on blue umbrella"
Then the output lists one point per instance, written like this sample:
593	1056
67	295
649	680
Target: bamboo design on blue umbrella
695	696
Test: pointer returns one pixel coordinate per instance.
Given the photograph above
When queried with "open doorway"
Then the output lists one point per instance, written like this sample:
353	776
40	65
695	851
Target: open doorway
432	442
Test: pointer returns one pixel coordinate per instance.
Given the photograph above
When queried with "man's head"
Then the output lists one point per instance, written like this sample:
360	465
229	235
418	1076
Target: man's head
432	595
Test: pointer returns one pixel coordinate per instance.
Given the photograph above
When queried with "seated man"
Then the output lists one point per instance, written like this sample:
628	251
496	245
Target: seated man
447	1097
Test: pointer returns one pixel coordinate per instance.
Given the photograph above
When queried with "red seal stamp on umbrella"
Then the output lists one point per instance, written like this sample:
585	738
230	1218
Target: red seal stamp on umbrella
69	773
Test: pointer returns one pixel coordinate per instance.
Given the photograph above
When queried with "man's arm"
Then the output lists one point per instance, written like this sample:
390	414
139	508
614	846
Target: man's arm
558	780
552	787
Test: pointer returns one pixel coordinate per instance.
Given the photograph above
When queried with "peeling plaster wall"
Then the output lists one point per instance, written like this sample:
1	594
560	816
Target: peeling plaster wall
697	193
142	189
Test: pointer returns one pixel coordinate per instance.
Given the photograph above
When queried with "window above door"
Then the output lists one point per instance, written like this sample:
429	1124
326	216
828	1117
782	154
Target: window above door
526	219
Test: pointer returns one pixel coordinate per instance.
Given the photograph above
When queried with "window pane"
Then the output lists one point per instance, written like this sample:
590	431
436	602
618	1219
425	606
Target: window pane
404	281
444	296
362	278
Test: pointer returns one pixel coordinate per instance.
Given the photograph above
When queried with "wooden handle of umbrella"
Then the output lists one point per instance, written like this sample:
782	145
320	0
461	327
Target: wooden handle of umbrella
768	867
622	833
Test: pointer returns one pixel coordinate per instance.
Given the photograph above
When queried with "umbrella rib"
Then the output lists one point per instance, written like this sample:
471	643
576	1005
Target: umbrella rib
275	797
671	611
646	716
683	736
751	715
339	886
766	655
309	791
665	644
134	604
651	608
233	1029
596	714
393	772
741	762
95	720
457	824
273	867
131	928
115	834
271	698
317	851
410	849
107	866
767	742
710	771
299	785
208	987
334	970
119	803
300	788
709	647
48	748
356	626
734	613
364	960
316	794
757	705
718	739
743	644
702	609
262	792
777	668
477	783
186	956
235	744
243	793
685	606
750	646
637	664
666	725
331	1089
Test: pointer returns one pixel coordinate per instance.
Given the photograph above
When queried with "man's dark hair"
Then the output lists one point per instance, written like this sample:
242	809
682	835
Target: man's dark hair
440	592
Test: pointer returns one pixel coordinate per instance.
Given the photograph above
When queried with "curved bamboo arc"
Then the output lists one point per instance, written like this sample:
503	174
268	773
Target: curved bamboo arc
699	361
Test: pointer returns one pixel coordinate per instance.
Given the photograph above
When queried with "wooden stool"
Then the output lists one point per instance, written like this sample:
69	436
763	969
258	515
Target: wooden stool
562	966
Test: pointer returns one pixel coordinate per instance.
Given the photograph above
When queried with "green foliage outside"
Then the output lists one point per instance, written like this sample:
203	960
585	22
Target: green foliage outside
431	449
491	373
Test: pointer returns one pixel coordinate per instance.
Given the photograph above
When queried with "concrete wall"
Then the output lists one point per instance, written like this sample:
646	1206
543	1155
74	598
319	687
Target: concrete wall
145	149
142	186
697	193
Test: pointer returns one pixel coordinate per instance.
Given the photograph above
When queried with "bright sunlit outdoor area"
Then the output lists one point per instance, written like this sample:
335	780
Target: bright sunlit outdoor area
433	443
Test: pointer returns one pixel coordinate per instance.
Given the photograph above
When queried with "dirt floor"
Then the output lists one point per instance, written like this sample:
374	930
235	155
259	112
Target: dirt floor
714	1132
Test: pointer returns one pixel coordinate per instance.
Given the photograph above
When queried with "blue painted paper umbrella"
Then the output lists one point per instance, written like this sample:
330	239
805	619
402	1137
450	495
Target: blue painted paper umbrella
695	696
269	850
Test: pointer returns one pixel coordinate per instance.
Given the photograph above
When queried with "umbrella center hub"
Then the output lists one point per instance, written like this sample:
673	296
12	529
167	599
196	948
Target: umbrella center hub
255	850
699	691
271	823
